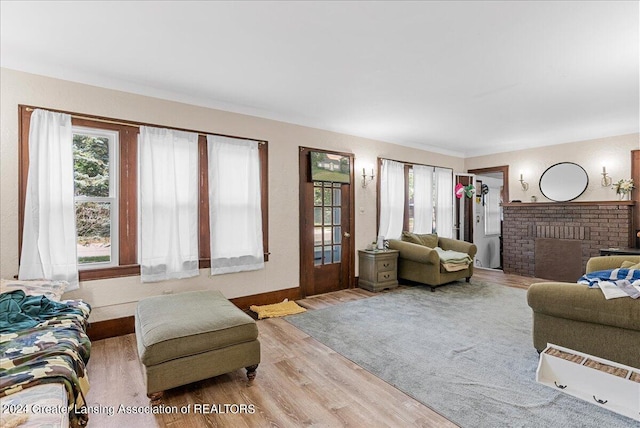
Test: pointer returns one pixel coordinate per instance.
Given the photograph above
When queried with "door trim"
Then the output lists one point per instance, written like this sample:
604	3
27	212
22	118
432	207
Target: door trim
469	208
302	205
635	196
504	169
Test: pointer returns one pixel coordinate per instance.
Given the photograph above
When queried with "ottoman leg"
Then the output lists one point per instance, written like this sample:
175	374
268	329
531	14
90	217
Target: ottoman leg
251	372
155	398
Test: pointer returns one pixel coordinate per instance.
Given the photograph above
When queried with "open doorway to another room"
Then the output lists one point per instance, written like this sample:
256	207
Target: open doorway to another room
492	188
464	223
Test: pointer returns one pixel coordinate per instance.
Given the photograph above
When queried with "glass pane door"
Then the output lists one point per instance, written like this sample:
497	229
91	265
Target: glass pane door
327	231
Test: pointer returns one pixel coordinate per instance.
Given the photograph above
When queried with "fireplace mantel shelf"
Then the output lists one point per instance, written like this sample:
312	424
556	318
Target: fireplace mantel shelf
573	203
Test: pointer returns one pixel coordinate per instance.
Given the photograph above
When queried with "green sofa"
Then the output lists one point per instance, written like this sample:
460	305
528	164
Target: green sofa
580	318
420	263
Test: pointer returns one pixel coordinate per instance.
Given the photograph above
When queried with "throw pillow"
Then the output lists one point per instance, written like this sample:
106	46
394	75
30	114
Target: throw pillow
411	237
429	240
52	290
630	265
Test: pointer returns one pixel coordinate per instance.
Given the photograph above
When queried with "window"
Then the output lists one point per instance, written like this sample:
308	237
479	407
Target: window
435	199
96	196
410	202
106	200
410	212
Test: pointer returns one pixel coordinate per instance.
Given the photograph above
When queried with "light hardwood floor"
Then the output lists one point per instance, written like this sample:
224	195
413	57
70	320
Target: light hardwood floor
300	382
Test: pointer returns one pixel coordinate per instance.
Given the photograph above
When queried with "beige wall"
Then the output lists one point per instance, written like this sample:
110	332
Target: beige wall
117	297
592	155
282	270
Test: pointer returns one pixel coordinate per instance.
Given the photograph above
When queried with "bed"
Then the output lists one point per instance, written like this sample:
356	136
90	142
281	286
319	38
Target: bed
44	350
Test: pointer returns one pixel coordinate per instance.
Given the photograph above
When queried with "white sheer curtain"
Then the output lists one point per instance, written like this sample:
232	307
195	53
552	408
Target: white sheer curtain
422	199
168	204
235	211
391	199
49	236
444	202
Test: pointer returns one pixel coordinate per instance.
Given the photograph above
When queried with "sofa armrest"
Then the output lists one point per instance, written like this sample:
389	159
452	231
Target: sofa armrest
459	246
609	262
415	252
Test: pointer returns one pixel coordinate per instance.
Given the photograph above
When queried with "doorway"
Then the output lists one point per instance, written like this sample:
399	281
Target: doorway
492	189
464	210
327	258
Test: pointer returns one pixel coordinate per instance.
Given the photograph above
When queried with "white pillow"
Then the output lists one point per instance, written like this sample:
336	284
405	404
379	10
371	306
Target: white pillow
52	290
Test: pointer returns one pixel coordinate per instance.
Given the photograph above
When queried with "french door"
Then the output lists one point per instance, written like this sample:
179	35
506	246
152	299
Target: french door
326	228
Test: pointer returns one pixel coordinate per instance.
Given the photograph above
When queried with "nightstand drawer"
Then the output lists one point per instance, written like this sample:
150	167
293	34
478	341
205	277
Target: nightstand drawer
390	275
386	264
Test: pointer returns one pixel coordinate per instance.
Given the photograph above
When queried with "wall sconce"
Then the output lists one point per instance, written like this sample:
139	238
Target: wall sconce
366	179
606	180
524	184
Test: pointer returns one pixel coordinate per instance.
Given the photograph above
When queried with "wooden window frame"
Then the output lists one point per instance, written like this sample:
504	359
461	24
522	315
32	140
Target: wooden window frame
128	189
407	167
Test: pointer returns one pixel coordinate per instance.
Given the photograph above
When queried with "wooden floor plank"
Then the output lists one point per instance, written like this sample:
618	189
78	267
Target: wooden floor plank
300	381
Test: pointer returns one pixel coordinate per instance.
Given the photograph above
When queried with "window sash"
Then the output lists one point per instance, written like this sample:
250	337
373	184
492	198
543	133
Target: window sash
114	258
112	199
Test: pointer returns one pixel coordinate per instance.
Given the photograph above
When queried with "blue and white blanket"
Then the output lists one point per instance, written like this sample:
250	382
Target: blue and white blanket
614	283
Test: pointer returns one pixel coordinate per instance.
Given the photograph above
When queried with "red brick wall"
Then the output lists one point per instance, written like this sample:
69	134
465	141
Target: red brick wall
596	224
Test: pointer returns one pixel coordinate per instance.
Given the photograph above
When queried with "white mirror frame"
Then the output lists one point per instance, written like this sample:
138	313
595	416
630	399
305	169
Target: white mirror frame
564	181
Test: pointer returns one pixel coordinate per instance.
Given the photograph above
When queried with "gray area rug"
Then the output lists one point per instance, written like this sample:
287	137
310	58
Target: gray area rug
465	351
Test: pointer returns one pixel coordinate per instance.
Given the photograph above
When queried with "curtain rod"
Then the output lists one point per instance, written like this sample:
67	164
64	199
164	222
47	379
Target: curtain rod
414	164
138	124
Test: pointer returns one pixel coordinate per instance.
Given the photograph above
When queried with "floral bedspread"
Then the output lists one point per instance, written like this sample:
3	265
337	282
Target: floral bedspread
54	351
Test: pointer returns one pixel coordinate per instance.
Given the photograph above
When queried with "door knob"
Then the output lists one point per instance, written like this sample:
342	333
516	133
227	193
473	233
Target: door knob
347	235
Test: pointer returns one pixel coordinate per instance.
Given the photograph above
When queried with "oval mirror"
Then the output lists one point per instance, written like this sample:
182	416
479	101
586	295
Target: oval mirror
564	182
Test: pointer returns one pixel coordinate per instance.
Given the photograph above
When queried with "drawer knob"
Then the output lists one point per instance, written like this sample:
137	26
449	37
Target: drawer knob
385	264
386	276
559	386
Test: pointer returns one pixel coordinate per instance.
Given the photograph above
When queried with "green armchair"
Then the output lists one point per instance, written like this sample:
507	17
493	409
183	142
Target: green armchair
420	263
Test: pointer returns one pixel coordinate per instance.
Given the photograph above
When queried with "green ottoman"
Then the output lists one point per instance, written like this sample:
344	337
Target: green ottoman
187	337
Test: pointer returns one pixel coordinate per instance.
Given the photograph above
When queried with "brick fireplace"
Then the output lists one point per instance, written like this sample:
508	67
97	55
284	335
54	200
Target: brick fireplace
594	224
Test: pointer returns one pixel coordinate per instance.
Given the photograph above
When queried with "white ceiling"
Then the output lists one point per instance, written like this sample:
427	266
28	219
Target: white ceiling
461	78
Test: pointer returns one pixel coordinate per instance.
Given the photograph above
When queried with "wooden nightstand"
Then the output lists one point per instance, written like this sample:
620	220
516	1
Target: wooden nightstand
378	269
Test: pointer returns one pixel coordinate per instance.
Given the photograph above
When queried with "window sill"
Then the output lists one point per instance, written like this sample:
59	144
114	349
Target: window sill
131	270
110	272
